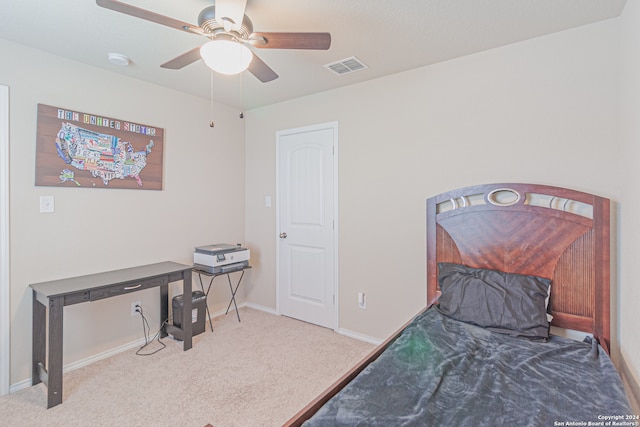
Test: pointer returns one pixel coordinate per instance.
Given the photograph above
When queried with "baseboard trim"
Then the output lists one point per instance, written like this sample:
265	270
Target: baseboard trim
84	362
105	354
138	343
358	336
340	331
113	351
629	379
20	385
261	308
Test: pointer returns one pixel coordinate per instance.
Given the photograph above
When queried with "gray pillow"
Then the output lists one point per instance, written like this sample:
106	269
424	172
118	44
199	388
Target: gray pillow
507	303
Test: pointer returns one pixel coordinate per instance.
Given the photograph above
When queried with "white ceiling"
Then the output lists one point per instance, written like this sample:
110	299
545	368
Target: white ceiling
388	36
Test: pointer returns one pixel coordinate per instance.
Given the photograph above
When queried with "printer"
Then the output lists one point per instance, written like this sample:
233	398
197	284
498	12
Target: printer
220	258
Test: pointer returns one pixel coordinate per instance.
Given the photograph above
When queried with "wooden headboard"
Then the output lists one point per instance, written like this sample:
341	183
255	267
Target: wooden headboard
539	230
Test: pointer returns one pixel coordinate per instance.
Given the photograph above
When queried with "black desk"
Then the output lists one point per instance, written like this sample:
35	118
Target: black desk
47	366
231	288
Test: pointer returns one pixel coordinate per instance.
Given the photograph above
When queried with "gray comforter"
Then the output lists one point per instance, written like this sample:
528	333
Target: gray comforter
443	372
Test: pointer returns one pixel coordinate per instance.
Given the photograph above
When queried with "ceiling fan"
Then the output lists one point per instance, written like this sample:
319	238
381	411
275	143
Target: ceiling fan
226	26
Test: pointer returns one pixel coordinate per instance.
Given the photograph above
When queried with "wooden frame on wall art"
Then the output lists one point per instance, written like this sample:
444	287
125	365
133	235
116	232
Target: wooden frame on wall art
75	149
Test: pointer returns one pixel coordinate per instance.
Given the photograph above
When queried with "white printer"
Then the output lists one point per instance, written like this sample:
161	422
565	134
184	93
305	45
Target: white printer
220	258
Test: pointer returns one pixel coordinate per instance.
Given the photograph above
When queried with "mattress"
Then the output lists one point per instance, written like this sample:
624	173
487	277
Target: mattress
444	372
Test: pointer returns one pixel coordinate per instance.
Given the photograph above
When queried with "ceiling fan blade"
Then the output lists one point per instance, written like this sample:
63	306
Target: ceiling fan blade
232	10
262	71
320	41
147	15
183	60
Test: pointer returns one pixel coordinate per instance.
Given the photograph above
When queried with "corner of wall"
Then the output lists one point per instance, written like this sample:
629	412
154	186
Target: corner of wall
631	384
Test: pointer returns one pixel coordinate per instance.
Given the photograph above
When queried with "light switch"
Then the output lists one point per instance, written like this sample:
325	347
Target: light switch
267	201
362	300
47	204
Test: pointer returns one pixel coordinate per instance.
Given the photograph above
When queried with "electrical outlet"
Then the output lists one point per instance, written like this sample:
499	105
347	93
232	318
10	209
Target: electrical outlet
134	309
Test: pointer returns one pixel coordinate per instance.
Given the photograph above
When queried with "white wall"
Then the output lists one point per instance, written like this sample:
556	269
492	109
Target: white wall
95	230
629	230
542	111
560	110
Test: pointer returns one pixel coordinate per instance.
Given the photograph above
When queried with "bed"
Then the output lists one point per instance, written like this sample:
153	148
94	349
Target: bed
505	264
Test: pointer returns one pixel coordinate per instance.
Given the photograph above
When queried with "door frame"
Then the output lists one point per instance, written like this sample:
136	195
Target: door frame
328	125
5	306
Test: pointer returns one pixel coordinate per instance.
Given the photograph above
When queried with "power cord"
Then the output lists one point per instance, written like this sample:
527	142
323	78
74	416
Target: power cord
146	329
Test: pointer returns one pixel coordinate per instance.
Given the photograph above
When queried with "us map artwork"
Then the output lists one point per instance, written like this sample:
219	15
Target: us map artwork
105	156
86	150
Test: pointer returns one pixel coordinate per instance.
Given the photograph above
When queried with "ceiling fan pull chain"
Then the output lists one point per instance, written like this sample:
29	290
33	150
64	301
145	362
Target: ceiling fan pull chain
211	124
241	97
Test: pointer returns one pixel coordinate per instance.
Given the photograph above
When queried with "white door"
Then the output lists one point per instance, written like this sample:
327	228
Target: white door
5	319
307	226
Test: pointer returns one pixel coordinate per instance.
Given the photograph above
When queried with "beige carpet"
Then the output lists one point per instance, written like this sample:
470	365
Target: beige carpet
258	372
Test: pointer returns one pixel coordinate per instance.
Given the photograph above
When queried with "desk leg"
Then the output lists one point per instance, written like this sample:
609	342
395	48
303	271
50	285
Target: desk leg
187	326
38	339
54	365
164	309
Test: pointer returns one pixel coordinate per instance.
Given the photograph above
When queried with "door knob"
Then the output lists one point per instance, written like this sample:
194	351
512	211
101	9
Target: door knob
283	235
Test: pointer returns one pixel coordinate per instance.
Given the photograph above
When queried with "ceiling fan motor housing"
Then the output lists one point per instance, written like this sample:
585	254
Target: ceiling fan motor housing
208	22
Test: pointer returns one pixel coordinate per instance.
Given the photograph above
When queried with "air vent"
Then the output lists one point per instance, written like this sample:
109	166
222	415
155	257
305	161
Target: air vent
346	66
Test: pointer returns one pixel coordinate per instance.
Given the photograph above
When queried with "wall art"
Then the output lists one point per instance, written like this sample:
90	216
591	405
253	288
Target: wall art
76	149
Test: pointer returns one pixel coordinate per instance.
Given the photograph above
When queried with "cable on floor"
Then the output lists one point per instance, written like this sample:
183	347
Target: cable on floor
146	330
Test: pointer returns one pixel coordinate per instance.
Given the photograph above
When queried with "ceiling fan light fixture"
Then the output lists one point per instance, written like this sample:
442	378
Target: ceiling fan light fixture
226	56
